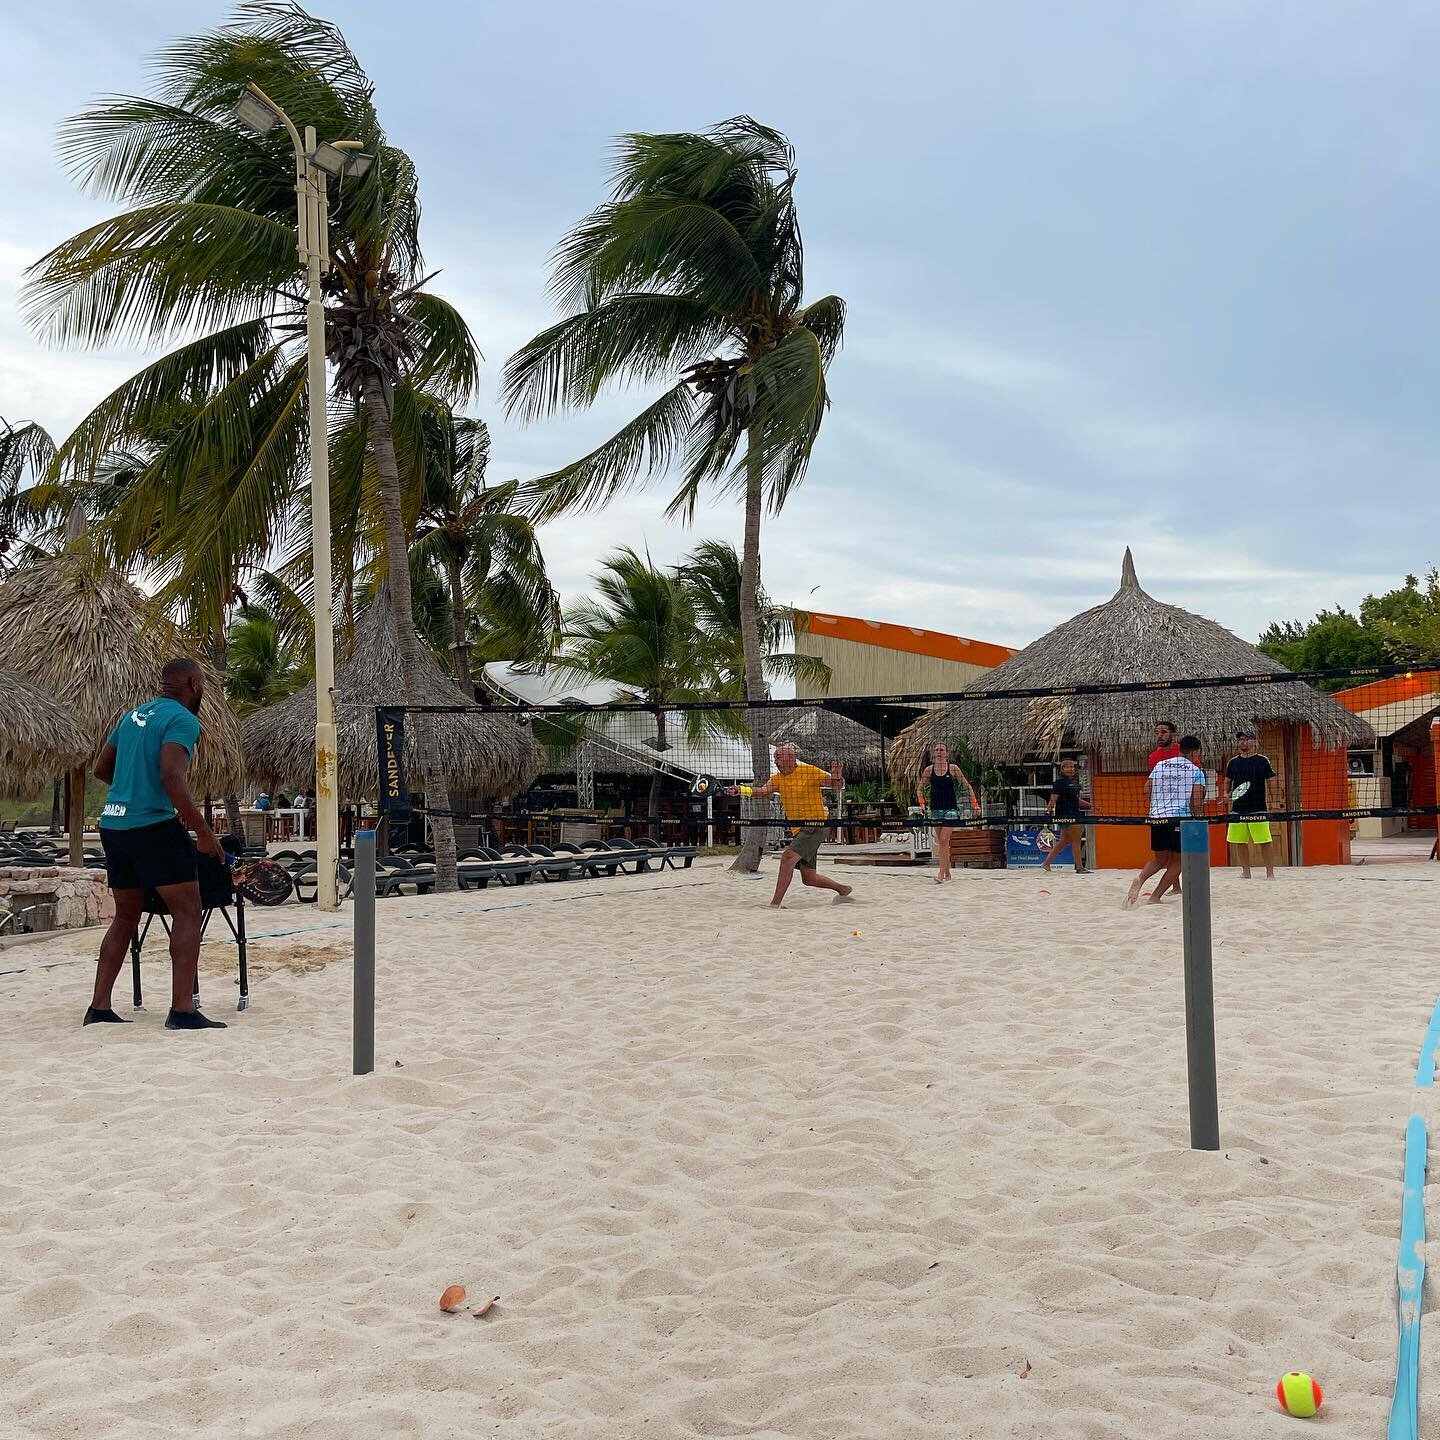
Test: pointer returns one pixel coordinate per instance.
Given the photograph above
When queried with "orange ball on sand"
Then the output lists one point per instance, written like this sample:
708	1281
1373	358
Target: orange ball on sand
1298	1394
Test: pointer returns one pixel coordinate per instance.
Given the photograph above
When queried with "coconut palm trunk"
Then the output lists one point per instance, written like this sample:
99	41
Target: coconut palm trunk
455	582
752	840
652	808
387	471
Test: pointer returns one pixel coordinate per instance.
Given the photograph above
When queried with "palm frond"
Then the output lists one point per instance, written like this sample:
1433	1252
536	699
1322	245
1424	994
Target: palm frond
825	319
637	336
638	450
157	272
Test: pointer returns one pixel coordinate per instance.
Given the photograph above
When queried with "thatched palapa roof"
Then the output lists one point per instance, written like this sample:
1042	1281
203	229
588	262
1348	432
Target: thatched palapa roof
87	637
39	738
1132	637
492	755
822	737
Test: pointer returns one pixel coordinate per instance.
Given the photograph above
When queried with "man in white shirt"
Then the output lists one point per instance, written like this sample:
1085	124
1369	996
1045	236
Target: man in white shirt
1176	787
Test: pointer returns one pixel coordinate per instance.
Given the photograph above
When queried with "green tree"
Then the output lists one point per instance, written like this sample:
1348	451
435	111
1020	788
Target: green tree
1407	620
26	452
207	250
499	599
640	631
261	665
713	574
692	272
1333	640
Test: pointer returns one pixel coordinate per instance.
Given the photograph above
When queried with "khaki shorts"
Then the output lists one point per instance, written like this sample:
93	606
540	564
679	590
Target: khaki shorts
806	844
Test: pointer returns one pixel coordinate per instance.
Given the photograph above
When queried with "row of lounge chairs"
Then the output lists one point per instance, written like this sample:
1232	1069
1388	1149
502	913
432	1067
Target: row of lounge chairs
524	864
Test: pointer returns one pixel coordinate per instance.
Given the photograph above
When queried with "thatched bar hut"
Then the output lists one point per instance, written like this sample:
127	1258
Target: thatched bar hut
482	755
1134	637
83	634
39	738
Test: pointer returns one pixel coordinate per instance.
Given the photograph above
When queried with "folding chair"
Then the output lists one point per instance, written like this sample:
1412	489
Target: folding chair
217	892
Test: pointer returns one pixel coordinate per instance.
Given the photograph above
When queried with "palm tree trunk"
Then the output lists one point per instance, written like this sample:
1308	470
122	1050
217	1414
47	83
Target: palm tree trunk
752	837
457	623
387	471
652	809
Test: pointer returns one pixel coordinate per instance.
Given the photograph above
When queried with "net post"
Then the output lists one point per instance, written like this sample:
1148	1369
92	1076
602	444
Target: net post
363	1017
1435	759
1199	986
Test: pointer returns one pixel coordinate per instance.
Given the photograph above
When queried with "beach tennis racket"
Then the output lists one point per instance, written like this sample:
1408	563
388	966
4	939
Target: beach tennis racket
705	785
1240	791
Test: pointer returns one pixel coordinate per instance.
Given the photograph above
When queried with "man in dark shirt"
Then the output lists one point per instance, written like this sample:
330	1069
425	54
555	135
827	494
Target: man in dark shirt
143	828
1250	770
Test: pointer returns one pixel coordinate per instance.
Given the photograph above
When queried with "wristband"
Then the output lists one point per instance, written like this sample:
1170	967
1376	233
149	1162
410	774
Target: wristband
747	791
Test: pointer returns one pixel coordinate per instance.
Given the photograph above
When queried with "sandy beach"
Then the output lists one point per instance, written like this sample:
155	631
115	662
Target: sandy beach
732	1172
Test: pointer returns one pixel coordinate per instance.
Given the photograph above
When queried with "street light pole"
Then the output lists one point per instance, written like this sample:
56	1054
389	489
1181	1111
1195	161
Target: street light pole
314	229
312	161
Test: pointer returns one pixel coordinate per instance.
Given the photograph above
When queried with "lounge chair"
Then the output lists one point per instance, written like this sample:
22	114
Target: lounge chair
667	855
544	865
619	853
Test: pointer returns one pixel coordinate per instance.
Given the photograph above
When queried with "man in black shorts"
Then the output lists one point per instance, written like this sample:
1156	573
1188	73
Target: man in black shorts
147	845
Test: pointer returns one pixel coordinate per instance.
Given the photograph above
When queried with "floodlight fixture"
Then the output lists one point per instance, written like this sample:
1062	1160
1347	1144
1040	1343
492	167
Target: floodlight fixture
258	114
343	159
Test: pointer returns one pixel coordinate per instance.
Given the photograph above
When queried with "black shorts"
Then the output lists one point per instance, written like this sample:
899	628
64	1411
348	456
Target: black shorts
1165	837
149	856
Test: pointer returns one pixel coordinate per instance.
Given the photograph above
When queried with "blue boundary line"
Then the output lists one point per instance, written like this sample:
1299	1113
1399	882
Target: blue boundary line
1410	1264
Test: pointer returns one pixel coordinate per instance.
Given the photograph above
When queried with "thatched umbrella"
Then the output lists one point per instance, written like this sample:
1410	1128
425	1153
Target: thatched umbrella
822	737
85	635
39	737
493	755
1131	637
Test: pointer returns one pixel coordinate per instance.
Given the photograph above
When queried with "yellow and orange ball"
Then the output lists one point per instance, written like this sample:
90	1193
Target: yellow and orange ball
1299	1395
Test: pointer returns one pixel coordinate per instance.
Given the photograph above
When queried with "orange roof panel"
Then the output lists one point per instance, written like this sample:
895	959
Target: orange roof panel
908	638
1361	698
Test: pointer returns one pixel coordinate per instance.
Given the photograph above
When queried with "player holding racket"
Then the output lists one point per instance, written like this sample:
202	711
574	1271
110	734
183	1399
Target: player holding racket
799	785
1244	795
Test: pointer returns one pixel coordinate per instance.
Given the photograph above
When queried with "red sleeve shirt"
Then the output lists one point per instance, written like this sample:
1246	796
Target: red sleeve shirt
1165	752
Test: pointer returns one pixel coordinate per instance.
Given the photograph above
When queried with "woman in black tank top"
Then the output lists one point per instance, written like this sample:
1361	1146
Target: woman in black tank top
941	786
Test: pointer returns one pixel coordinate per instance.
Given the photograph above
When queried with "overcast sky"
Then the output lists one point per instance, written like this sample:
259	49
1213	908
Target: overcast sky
1118	272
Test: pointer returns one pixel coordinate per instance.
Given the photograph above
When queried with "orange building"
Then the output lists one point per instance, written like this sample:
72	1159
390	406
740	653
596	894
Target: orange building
1134	638
1400	769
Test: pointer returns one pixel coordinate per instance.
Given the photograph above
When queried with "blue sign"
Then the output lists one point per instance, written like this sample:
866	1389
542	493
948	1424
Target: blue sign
1030	847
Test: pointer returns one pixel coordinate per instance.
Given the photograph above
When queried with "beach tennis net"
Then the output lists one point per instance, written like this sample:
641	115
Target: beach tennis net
1351	749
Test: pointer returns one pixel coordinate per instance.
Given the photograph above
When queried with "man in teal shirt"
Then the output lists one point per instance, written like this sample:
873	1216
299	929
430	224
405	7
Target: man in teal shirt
143	829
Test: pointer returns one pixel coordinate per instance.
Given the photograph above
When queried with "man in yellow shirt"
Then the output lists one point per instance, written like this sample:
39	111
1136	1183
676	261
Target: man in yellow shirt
799	785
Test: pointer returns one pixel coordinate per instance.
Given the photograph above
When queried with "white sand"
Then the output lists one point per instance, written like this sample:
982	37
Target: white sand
733	1172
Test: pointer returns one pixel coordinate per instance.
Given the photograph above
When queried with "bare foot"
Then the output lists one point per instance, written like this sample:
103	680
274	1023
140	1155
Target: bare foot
939	879
1244	874
844	894
1269	874
1131	897
774	904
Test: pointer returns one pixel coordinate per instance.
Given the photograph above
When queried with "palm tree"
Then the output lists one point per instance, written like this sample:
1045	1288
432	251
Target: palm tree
208	252
693	271
713	574
640	632
26	452
487	554
261	665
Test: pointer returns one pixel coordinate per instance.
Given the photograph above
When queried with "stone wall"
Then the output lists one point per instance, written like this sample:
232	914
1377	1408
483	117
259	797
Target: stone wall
81	897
